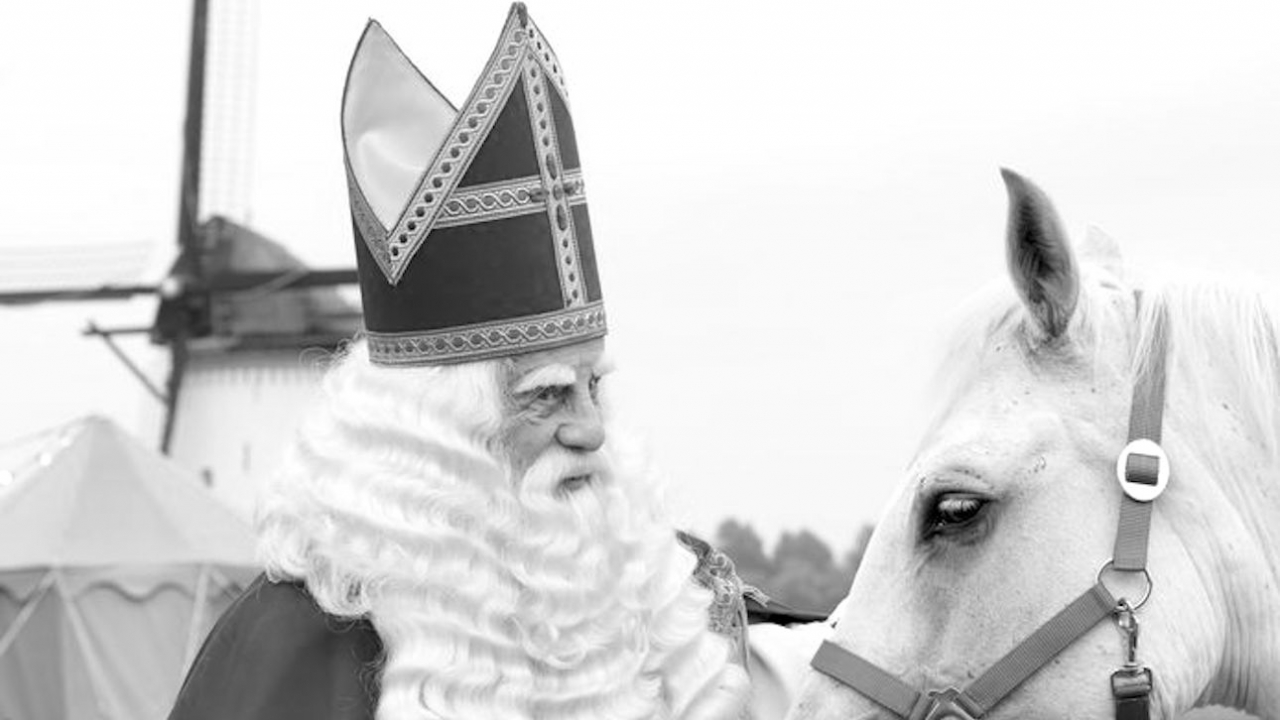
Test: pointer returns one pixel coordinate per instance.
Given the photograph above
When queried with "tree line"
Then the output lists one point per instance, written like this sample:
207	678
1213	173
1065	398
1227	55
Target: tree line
802	572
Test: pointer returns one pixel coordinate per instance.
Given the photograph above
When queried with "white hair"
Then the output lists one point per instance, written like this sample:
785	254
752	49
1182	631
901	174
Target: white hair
494	596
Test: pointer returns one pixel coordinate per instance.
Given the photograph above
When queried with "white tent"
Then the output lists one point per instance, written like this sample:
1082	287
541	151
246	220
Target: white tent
114	564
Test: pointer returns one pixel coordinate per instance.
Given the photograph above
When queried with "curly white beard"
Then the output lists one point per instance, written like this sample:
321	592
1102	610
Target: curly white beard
494	597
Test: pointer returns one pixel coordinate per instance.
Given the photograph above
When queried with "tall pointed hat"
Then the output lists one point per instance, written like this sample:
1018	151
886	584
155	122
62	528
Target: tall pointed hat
472	235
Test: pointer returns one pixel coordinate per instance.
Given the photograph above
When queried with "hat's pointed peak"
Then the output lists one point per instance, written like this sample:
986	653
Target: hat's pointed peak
393	121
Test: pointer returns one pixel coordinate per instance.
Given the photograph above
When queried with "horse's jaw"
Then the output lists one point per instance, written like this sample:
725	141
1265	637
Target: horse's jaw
1226	522
1237	562
1239	578
1250	675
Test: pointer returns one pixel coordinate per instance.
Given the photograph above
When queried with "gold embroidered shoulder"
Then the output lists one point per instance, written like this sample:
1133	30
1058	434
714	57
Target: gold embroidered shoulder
714	571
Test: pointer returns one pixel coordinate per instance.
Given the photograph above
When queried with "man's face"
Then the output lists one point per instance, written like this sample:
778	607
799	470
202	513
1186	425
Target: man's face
554	405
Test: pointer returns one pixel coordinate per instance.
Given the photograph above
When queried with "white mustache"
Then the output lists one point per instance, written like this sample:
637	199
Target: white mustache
556	465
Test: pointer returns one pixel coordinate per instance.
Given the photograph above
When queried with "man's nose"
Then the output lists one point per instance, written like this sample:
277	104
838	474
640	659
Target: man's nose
583	429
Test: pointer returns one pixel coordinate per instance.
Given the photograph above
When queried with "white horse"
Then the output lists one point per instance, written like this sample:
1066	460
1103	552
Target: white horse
1010	506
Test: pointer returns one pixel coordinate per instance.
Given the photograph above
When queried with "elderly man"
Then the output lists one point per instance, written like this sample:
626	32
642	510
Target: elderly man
459	531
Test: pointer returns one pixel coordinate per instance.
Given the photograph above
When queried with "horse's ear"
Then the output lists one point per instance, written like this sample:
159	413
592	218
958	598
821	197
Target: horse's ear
1040	260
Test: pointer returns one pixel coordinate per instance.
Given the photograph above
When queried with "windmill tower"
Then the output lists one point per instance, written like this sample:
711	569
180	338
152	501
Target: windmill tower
236	312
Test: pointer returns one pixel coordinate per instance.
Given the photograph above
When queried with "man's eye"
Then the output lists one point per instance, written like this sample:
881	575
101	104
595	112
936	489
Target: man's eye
594	387
544	399
548	394
954	513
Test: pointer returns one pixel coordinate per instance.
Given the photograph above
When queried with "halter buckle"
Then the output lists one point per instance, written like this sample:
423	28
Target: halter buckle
951	704
1143	470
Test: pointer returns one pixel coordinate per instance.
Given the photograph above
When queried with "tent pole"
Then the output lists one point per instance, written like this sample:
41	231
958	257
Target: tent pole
198	603
28	608
93	668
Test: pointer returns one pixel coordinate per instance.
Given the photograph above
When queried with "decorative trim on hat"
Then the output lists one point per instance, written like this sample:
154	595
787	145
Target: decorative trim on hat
494	201
372	231
564	235
483	341
503	199
540	50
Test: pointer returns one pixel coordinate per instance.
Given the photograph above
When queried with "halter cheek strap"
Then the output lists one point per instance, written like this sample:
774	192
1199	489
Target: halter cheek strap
1143	472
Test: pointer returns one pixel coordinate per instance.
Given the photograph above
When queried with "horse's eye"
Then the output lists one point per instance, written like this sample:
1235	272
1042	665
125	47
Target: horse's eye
953	513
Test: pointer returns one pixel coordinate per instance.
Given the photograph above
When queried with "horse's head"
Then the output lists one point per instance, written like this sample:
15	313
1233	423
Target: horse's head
1009	508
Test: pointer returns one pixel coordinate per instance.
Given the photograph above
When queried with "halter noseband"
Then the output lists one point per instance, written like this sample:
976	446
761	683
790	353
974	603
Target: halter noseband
1143	471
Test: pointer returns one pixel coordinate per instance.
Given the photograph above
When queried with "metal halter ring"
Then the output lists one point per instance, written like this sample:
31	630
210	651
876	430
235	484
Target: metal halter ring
1146	576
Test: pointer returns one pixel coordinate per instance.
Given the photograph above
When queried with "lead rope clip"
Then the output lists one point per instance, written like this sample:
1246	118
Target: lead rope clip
1131	684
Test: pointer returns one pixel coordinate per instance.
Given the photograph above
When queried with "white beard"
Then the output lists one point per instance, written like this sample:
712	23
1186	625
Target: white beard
592	614
493	598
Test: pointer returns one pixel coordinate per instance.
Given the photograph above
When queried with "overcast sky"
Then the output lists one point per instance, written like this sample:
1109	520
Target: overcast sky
787	198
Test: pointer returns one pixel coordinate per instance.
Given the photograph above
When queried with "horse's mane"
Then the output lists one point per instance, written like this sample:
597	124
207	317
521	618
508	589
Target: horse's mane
1222	343
1223	346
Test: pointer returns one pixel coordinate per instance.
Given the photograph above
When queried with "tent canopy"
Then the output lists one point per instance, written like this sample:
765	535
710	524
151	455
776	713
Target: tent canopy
107	500
114	563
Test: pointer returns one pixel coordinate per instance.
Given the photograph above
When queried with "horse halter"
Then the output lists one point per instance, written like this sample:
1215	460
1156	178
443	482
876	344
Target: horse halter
1143	472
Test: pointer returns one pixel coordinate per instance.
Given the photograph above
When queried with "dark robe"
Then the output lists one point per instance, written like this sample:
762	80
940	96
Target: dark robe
275	655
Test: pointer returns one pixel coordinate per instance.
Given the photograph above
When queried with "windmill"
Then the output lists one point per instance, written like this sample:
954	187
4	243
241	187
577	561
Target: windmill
224	277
